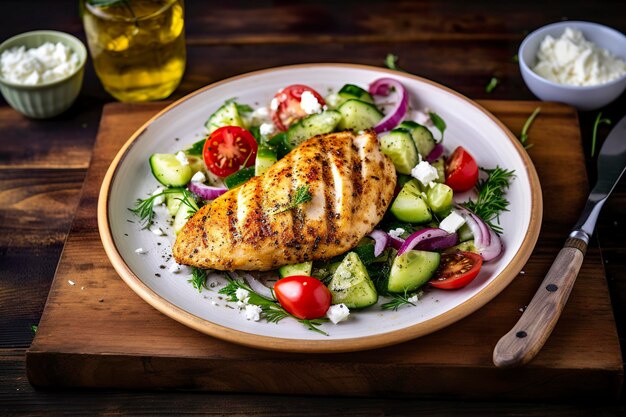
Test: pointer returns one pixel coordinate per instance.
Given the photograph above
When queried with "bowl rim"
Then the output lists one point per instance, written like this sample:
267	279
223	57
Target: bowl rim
82	56
541	30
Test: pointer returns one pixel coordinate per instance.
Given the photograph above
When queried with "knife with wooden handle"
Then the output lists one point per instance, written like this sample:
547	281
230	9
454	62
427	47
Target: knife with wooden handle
520	345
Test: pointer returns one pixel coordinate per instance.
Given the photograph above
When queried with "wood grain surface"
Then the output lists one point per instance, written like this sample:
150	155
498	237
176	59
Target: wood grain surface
88	334
459	44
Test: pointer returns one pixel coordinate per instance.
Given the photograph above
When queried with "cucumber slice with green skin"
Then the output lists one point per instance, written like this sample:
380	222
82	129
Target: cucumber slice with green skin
351	284
403	179
411	270
227	115
410	206
440	165
399	147
172	202
350	91
364	250
280	145
169	171
183	214
358	115
467	246
303	268
439	198
313	125
265	158
239	177
465	233
423	138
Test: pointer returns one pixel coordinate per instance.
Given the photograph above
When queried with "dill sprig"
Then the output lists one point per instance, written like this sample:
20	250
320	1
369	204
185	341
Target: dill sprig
302	195
598	122
196	148
524	134
439	123
144	208
198	278
491	201
273	312
400	300
493	83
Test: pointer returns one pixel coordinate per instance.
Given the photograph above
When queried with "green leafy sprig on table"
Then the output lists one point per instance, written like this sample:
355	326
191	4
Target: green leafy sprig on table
594	136
493	83
524	134
272	311
391	61
144	209
302	195
491	202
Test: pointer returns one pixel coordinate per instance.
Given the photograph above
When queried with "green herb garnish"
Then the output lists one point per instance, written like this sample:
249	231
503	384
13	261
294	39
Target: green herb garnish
144	208
34	328
241	108
272	311
598	122
391	62
493	83
491	202
198	278
515	58
196	148
301	196
524	134
399	300
439	123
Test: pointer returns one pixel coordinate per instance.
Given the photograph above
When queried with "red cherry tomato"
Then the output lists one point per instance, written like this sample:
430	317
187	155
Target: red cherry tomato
227	149
456	270
304	297
287	109
461	170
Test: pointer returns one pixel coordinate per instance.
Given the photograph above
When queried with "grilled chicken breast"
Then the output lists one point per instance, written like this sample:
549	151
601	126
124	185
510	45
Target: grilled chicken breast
351	184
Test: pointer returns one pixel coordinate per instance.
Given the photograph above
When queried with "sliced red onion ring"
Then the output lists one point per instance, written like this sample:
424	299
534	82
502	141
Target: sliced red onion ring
206	192
257	286
427	237
438	243
435	153
381	241
487	241
395	242
382	87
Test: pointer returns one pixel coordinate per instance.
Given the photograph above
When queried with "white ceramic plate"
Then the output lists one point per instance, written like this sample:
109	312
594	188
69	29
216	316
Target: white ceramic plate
469	125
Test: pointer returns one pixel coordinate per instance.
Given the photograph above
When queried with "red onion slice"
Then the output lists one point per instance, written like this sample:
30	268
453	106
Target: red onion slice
381	240
435	153
257	286
424	235
382	87
206	192
487	242
438	243
395	242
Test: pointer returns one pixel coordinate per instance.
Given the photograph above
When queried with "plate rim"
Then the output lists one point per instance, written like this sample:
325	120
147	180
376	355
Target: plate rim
497	285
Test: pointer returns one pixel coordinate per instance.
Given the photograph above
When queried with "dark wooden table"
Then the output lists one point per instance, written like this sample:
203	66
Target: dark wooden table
43	164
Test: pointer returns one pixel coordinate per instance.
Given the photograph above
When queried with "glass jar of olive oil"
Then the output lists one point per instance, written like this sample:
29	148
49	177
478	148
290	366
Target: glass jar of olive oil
137	46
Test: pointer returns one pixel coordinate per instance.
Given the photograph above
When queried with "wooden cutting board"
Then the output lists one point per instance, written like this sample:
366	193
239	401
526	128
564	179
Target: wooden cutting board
98	333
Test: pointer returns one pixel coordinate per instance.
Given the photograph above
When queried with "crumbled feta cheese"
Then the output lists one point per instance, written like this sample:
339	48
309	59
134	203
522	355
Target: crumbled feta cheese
337	313
242	294
160	199
182	158
396	232
262	114
198	177
267	129
309	103
69	281
253	312
213	303
571	59
175	268
157	231
420	117
413	298
48	62
452	223
425	172
141	251
274	104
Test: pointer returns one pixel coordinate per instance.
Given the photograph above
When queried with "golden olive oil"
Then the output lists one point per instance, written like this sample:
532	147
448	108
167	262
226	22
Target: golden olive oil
137	47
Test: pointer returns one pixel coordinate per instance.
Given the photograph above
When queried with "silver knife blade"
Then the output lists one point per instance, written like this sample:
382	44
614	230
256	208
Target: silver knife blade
611	167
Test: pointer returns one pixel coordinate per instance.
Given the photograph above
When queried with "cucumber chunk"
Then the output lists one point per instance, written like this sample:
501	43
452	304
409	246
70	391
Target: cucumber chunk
303	268
411	270
183	214
265	158
399	147
316	124
239	177
358	115
169	171
409	205
465	233
423	138
350	91
172	202
227	115
351	284
439	198
467	246
440	165
279	144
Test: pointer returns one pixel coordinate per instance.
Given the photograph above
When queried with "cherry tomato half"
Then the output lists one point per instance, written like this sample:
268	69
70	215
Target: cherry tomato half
304	297
287	109
461	170
227	149
456	270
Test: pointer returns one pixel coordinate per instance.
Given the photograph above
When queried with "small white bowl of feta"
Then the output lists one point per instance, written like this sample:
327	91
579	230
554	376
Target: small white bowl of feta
41	72
578	63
